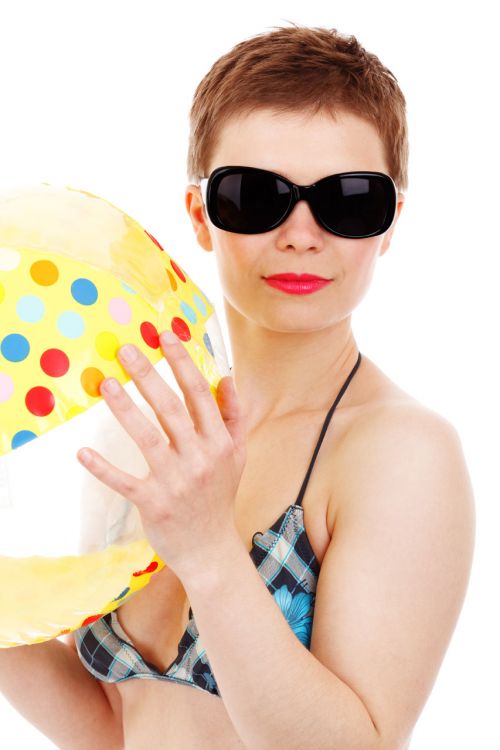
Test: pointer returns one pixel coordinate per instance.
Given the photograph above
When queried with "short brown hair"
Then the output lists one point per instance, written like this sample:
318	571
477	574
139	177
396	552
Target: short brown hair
299	69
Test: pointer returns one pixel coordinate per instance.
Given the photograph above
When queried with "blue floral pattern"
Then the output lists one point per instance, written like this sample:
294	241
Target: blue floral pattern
285	560
210	682
296	609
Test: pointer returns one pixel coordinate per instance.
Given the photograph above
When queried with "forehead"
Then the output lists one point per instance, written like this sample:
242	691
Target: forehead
299	146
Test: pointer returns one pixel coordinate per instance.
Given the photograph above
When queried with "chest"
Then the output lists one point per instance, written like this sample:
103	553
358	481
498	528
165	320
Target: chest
278	457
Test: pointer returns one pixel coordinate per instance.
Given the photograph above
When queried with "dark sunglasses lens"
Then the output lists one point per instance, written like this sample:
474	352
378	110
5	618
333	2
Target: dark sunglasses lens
250	202
354	206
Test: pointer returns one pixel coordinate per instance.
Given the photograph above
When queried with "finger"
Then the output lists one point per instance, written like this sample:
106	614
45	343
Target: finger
232	412
149	439
199	400
167	406
123	483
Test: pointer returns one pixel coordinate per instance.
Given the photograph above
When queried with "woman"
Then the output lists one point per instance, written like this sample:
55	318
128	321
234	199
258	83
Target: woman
368	568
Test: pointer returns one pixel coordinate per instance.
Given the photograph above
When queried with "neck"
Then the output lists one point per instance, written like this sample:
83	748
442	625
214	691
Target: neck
278	373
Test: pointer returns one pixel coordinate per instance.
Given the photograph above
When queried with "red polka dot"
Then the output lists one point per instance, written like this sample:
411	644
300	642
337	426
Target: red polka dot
40	401
150	334
90	619
54	362
180	328
154	240
150	569
177	270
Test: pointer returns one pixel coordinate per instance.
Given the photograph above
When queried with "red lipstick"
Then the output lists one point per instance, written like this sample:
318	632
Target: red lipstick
293	283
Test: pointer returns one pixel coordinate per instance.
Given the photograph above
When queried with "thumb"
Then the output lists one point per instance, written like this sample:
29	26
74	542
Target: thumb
231	411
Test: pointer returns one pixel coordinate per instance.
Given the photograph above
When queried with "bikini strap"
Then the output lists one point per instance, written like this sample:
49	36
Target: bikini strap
324	429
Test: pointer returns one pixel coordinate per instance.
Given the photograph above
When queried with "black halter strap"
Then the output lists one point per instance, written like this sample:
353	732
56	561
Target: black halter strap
324	429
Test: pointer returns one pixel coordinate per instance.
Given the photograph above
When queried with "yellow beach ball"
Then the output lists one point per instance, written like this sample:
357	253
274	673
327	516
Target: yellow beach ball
78	278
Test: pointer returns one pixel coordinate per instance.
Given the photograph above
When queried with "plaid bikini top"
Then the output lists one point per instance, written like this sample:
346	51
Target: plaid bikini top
286	562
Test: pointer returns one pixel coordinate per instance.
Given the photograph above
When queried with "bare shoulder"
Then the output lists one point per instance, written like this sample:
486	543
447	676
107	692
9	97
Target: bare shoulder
393	444
395	573
403	424
408	434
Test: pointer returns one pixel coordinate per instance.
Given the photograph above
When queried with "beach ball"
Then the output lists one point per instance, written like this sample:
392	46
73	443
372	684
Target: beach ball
78	279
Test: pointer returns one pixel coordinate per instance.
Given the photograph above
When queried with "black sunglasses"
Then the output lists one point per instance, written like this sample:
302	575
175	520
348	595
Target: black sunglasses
248	200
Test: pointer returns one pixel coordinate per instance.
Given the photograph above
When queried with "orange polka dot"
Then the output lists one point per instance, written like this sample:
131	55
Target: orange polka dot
44	272
91	379
172	280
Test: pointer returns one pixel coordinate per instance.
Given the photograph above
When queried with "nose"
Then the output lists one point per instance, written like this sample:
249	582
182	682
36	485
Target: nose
300	228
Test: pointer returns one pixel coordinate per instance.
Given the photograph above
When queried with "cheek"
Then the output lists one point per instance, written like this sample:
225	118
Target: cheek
358	260
230	266
238	256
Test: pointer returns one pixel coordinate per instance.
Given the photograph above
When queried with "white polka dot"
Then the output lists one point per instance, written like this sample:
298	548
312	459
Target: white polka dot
9	259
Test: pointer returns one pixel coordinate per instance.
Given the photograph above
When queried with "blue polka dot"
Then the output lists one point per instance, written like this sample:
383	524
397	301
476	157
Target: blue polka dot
208	343
128	288
15	347
200	304
30	308
125	591
71	324
22	437
188	312
84	291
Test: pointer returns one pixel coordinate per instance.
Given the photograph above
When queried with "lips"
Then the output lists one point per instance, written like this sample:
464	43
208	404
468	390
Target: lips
297	277
297	284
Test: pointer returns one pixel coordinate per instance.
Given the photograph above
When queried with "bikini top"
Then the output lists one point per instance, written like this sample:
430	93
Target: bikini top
289	568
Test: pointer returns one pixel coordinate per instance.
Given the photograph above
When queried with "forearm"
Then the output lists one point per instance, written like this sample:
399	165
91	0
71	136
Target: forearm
276	692
47	684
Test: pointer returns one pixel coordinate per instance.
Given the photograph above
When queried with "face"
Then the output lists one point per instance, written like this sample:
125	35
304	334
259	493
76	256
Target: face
303	149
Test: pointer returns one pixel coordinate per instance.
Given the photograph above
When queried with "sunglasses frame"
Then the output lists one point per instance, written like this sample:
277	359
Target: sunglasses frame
297	193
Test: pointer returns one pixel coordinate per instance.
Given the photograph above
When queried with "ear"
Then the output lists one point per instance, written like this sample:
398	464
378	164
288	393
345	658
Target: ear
388	235
198	215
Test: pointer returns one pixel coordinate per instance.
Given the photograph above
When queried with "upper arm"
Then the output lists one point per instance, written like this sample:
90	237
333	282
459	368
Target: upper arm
394	576
69	640
109	689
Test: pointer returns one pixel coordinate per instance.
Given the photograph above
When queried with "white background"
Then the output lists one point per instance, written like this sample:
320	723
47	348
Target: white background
96	95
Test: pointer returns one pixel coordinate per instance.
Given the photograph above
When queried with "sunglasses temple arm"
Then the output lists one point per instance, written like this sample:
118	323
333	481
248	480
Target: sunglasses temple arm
203	189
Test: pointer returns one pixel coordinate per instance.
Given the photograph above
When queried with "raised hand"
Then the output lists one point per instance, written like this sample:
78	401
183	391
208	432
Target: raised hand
186	502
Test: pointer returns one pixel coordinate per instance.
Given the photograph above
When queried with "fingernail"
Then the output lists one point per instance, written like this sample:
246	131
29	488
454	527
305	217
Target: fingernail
85	456
128	353
168	337
111	385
